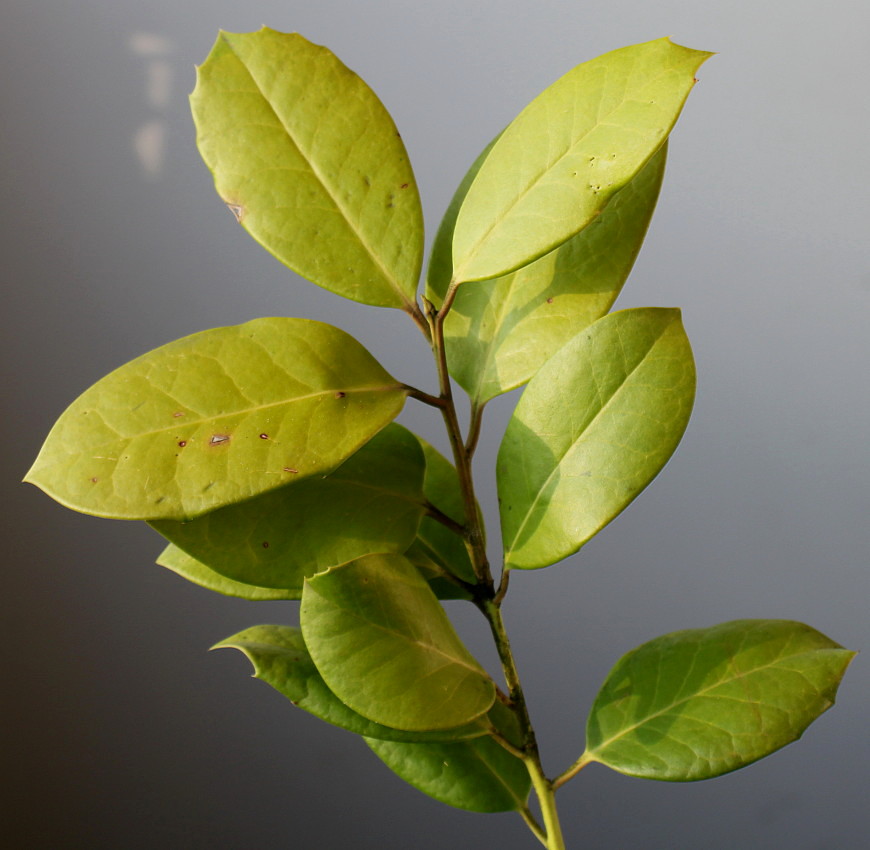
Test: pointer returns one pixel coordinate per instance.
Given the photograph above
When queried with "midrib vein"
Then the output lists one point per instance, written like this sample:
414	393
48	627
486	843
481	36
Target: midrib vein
327	187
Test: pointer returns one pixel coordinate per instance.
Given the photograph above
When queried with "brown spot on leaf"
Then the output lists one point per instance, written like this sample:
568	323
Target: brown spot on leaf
94	480
264	436
182	443
219	439
237	210
404	186
290	469
550	300
265	544
178	414
340	394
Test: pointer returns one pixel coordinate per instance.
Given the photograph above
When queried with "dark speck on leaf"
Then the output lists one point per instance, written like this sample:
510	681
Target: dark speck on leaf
404	186
290	469
265	544
264	436
340	394
94	480
178	414
182	443
550	300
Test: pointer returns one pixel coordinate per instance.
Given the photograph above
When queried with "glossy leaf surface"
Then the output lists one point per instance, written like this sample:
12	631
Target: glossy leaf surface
217	418
500	332
477	775
385	647
565	156
699	703
438	551
372	503
194	571
281	659
591	430
311	164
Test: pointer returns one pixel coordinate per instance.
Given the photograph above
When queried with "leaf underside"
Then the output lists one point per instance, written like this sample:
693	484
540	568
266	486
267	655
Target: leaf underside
281	659
703	702
477	775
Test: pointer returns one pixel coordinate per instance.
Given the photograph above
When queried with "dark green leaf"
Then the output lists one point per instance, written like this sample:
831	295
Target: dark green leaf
592	429
568	153
477	775
699	703
188	567
372	503
385	647
311	164
217	418
281	659
438	551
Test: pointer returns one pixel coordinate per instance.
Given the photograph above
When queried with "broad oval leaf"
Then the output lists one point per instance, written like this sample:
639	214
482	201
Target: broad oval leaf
592	429
281	659
311	164
438	552
500	332
702	702
385	647
567	154
194	571
477	775
372	503
216	418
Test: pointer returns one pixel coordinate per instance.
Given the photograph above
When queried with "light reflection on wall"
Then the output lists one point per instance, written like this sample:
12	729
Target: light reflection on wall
149	140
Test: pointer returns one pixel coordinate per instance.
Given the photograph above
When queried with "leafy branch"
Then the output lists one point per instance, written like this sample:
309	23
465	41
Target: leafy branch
268	457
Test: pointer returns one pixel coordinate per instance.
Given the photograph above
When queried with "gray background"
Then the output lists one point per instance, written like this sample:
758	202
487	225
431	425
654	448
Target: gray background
121	731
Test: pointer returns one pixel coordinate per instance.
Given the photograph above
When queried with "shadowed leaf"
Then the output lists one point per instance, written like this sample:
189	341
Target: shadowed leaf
385	647
702	702
592	429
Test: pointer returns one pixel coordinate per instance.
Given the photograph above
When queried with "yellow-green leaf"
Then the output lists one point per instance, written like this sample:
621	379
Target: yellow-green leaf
216	418
311	164
591	430
702	702
385	648
568	153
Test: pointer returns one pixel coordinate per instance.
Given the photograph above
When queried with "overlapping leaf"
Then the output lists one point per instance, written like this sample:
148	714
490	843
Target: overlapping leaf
438	552
592	429
311	164
385	647
217	418
499	332
477	775
188	567
281	659
699	703
568	153
372	503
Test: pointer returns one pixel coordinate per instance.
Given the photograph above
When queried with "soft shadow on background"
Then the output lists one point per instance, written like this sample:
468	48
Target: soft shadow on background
122	732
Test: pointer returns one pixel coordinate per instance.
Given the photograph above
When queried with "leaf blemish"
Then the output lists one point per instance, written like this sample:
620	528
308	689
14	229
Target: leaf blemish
178	414
290	469
404	186
219	439
237	210
264	436
265	544
182	443
340	394
550	300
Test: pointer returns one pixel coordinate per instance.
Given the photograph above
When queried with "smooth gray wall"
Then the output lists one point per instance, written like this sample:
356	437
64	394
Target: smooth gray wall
122	732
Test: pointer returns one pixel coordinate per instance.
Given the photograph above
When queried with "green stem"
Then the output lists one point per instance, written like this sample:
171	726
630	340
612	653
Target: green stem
544	788
486	597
